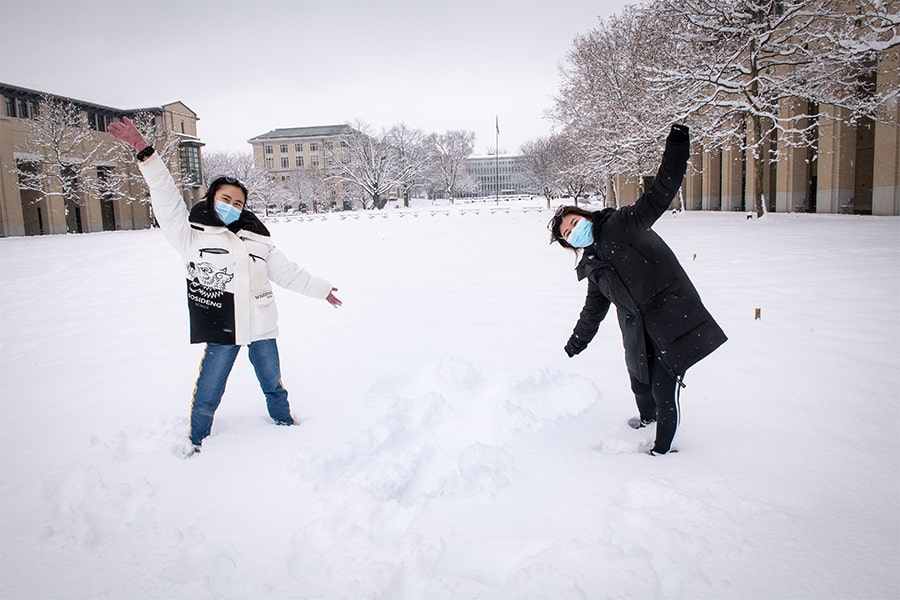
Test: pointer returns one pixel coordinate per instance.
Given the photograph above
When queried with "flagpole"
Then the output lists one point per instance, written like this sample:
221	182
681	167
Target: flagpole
497	159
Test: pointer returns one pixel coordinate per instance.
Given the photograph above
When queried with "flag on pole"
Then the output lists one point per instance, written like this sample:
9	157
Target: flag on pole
497	120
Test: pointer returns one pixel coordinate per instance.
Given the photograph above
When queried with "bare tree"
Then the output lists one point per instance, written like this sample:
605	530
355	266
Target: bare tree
574	174
62	154
729	68
448	153
366	162
557	165
410	156
119	182
609	104
541	169
310	187
765	70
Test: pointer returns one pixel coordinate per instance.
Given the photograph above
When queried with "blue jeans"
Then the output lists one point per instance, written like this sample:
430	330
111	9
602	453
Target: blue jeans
214	369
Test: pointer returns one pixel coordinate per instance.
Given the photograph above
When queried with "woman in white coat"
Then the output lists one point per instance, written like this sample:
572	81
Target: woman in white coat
230	265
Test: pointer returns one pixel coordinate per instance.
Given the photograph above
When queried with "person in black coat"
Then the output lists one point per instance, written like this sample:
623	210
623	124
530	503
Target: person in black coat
665	327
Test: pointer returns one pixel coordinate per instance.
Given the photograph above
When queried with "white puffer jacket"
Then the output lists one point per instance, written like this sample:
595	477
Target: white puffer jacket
229	271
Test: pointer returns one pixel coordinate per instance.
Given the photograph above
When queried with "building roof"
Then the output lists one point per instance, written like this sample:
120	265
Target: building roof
14	91
302	132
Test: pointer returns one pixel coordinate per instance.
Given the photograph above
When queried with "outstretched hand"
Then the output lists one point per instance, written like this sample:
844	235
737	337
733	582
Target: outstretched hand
332	299
128	133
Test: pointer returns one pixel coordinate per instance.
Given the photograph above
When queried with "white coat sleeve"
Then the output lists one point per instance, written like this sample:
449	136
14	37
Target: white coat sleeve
291	276
168	204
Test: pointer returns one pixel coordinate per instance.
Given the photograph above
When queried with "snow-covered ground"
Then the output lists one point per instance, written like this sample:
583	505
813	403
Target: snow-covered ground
449	448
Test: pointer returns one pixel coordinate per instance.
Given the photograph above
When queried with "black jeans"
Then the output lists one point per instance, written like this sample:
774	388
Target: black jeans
657	400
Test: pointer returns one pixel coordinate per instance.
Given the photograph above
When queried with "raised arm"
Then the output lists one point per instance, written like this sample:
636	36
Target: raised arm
655	201
168	204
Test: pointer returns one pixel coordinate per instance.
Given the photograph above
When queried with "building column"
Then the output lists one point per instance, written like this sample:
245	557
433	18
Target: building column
792	185
12	219
692	188
837	154
611	192
886	184
732	179
712	180
91	215
626	190
55	216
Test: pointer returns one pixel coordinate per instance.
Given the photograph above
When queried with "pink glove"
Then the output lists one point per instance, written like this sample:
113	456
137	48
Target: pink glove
128	133
332	299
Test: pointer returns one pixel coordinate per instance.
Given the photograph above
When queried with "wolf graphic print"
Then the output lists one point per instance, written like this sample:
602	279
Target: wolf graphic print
211	307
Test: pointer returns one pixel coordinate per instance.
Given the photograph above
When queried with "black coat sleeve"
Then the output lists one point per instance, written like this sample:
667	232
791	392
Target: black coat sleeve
596	305
653	203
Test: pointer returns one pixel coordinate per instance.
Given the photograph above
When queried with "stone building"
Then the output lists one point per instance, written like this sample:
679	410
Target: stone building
853	169
286	152
498	175
30	212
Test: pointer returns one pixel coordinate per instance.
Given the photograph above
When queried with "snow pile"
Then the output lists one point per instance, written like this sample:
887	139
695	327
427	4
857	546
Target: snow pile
448	447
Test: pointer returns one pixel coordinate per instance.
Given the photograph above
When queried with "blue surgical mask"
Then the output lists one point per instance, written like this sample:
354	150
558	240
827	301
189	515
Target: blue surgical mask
582	234
227	213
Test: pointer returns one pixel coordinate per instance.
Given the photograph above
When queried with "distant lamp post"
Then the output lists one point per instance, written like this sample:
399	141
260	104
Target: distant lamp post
497	160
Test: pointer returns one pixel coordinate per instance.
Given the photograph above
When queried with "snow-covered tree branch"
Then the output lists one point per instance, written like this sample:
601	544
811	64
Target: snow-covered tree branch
61	154
448	153
741	73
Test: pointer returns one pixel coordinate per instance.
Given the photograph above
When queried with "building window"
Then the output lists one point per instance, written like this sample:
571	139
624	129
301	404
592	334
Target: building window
284	162
299	161
344	144
268	148
270	163
329	146
284	148
298	147
314	146
97	122
20	107
23	108
190	165
314	160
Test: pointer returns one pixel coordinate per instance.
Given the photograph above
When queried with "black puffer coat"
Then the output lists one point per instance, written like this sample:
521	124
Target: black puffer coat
630	266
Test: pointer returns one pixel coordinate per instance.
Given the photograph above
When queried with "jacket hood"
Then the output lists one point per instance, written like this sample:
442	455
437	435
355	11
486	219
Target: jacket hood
600	217
589	254
201	215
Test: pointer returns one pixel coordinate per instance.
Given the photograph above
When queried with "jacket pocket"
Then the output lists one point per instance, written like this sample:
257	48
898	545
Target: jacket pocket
265	313
203	251
263	297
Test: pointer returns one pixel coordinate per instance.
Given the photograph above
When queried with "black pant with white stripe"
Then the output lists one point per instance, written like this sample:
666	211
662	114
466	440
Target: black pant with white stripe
657	401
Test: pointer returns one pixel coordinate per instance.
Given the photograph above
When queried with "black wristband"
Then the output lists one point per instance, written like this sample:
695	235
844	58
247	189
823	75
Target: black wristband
145	153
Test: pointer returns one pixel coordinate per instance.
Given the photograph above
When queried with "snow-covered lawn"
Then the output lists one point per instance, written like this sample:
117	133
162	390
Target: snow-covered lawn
449	448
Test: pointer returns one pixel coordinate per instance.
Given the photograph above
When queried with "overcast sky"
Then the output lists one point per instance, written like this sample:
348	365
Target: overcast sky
252	66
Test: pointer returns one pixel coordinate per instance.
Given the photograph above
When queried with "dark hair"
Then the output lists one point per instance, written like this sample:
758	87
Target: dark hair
218	182
556	222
